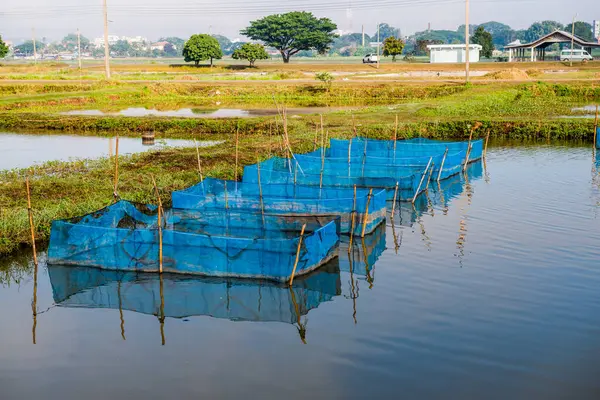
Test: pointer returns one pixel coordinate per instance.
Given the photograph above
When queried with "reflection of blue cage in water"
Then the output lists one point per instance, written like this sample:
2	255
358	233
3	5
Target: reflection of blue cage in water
365	252
326	175
181	296
287	199
125	237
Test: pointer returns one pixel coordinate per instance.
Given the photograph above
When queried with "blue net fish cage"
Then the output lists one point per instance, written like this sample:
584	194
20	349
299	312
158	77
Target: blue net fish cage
181	296
126	237
444	164
405	148
288	199
324	175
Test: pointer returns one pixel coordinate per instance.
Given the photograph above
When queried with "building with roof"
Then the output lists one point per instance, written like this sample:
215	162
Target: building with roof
536	50
453	53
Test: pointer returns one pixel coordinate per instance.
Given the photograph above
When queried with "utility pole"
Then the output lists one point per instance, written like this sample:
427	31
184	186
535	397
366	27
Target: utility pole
572	40
378	44
34	48
363	36
106	47
79	47
467	49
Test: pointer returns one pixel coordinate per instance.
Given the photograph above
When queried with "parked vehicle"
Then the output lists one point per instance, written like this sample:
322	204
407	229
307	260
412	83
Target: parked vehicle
575	55
370	59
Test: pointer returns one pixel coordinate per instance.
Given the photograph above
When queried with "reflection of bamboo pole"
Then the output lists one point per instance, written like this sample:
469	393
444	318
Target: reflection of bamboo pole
487	139
260	193
352	227
301	327
370	278
34	302
297	254
31	226
422	180
439	178
121	309
161	316
199	162
353	289
160	233
366	217
395	198
116	184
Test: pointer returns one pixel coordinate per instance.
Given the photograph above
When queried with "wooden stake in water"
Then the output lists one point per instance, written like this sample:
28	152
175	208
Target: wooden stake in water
353	222
260	193
31	226
297	254
116	183
422	180
487	139
439	177
395	199
366	217
199	162
160	233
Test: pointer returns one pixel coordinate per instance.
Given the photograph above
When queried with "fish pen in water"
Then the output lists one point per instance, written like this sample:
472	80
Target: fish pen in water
125	237
288	199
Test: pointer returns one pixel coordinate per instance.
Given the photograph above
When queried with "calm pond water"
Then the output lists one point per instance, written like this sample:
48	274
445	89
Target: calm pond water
491	292
22	150
201	112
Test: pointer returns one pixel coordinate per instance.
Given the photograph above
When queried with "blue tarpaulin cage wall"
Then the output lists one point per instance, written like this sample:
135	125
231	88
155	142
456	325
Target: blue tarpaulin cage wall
286	171
125	237
287	199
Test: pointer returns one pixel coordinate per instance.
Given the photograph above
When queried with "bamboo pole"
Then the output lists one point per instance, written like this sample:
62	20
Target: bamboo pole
439	178
429	177
395	136
160	233
467	159
237	141
31	226
395	199
366	217
297	255
353	222
596	128
487	139
422	180
116	183
199	162
260	193
322	162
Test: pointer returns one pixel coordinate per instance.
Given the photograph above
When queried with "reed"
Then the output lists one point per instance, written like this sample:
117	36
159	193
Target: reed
297	254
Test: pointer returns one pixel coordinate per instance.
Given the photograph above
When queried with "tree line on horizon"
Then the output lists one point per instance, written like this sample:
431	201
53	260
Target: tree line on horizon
302	34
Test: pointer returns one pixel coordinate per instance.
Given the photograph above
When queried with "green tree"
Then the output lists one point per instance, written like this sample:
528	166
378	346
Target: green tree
69	42
251	52
484	39
202	47
3	48
386	31
27	47
583	30
121	48
293	32
393	47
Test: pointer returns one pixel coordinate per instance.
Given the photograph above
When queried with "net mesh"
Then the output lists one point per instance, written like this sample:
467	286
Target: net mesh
125	236
287	199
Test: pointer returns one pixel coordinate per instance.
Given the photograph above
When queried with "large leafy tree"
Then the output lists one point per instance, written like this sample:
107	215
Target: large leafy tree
251	52
27	47
582	30
202	47
69	42
3	48
293	32
392	47
485	39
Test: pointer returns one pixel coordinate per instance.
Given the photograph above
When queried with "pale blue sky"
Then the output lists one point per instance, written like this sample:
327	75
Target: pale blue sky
155	18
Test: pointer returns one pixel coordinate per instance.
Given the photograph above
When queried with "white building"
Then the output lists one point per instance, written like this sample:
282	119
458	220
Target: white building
453	53
112	39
